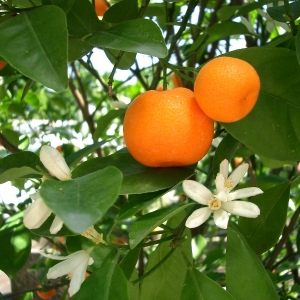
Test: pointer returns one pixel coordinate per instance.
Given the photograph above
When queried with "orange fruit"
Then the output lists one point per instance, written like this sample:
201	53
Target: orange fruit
2	64
100	7
167	129
227	89
46	294
176	80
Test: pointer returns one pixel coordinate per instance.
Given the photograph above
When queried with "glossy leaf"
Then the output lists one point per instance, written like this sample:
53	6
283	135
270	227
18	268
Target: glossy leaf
129	262
199	286
279	13
127	60
138	179
105	121
77	48
137	36
145	224
271	129
225	150
166	282
42	35
75	157
82	19
121	11
245	274
18	165
138	202
106	283
264	231
81	202
15	245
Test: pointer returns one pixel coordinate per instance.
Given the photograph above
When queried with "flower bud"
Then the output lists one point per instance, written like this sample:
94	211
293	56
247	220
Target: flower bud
55	163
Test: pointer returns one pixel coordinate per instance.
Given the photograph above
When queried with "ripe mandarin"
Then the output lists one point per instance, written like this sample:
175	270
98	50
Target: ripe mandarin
46	294
167	129
227	89
2	64
100	7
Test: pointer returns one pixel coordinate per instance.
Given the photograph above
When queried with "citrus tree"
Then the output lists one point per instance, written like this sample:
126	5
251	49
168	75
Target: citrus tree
118	227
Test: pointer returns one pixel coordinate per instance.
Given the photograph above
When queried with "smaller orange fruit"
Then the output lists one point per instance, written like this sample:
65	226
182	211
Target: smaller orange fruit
176	80
167	129
46	294
227	89
100	7
2	64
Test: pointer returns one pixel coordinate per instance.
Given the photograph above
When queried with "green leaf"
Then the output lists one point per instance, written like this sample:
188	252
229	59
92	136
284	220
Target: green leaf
225	150
106	283
77	48
279	13
15	245
271	129
125	62
297	42
121	11
245	275
128	263
82	19
263	232
41	33
199	286
137	36
167	280
226	12
145	224
138	179
76	157
138	202
83	201
105	121
225	29
19	165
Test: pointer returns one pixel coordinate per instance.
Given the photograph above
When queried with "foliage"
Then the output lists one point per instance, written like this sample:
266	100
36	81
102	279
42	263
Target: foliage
68	80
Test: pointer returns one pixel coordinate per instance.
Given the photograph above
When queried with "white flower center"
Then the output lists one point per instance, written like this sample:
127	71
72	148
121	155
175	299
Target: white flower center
228	183
214	203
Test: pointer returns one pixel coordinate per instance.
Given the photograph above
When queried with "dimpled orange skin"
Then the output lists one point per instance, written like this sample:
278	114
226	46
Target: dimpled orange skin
227	89
167	129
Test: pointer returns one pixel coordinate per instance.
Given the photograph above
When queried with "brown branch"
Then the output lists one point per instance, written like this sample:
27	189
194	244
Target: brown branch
8	145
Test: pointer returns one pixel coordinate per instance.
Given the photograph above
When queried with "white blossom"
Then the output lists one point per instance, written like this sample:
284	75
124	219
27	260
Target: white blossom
222	202
93	235
73	265
38	212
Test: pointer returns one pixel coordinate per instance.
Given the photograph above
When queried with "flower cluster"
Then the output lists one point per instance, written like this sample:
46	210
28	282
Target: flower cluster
38	212
222	202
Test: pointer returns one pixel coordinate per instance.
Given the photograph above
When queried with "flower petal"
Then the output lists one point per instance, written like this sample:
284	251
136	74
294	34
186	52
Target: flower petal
56	225
244	193
221	218
77	278
36	213
198	217
242	208
236	176
220	182
196	191
69	264
283	25
55	163
224	168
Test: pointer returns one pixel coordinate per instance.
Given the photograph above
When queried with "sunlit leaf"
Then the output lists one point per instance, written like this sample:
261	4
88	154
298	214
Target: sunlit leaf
15	245
41	33
138	36
81	202
245	273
